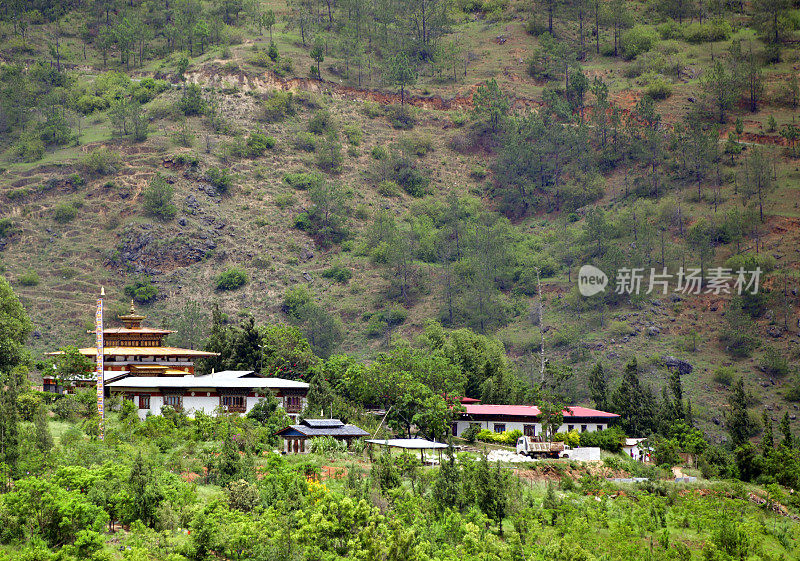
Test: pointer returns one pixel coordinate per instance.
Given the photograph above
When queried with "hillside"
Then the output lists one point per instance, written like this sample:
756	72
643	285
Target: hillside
441	203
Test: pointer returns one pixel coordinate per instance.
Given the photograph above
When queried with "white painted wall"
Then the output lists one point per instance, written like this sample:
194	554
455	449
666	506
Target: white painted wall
201	402
461	426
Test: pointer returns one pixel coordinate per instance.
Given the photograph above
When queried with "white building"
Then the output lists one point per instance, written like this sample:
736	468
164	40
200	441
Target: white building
232	390
525	418
634	448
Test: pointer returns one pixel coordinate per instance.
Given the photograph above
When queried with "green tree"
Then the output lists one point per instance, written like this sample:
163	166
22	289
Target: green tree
44	439
158	197
15	326
786	431
719	89
759	181
9	420
491	486
740	425
318	55
400	72
143	485
598	386
70	365
634	402
490	103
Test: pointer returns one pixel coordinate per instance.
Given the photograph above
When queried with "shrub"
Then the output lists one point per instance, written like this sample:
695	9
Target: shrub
717	29
417	145
192	102
508	438
353	134
29	149
220	178
64	213
321	123
158	198
284	200
659	88
142	290
303	180
305	141
329	156
610	439
231	279
101	161
6	228
637	40
278	106
724	375
471	433
379	152
258	143
373	110
670	29
87	104
388	188
571	438
29	278
338	273
773	363
401	117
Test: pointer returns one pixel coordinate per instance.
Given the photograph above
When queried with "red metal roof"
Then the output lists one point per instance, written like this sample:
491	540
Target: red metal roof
469	400
532	411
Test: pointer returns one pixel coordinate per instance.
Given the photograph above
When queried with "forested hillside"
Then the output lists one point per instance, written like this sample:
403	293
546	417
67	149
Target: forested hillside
361	169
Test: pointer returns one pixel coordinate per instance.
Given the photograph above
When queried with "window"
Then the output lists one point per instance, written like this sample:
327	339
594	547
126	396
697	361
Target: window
529	430
570	427
128	397
144	401
583	428
235	403
498	427
174	401
294	404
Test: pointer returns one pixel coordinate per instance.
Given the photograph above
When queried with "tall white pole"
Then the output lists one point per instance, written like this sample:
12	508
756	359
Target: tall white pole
100	362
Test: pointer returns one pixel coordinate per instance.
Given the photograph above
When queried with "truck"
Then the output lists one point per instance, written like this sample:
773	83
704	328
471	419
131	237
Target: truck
533	448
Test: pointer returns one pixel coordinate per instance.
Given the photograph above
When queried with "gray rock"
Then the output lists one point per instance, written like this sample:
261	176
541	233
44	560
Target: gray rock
653	331
182	221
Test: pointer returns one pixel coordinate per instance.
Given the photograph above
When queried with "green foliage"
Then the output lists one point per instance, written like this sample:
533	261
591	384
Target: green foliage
321	123
29	278
231	279
303	180
158	196
220	178
64	213
142	290
508	438
279	106
101	161
7	228
192	102
338	273
610	439
258	143
716	29
637	40
773	363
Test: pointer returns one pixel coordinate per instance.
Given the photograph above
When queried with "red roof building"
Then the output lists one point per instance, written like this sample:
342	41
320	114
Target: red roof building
525	418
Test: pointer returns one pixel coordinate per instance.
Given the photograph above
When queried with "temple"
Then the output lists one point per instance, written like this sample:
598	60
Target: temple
138	367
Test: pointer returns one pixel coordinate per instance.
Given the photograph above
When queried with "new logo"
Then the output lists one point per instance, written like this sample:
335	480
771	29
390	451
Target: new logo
591	280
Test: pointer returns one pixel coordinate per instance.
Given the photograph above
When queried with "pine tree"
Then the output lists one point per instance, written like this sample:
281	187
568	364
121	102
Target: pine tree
676	389
598	387
740	426
9	421
634	402
786	431
767	440
44	440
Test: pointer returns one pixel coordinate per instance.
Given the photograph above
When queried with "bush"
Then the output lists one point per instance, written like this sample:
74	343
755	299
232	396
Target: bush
417	145
192	102
6	228
142	290
87	104
670	29
508	438
220	178
338	273
658	89
64	213
773	363
724	375
305	141
329	156
258	144
610	439
472	432
353	134
637	40
278	106
321	123
158	198
231	279
303	180
571	438
388	188
717	29
101	161
29	149
373	110
29	278
401	117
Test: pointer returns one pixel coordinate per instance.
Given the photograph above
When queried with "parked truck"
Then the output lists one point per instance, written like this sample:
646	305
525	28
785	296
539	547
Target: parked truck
531	447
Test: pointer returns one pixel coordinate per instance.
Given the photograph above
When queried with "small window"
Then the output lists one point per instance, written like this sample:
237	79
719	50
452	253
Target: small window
583	428
499	427
128	397
570	427
174	401
144	401
529	430
233	403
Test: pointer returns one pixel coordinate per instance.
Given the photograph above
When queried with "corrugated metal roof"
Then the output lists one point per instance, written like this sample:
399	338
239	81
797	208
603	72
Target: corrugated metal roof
145	351
533	411
409	443
318	423
344	430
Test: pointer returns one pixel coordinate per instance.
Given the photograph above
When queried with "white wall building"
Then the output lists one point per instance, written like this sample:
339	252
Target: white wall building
232	390
525	418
